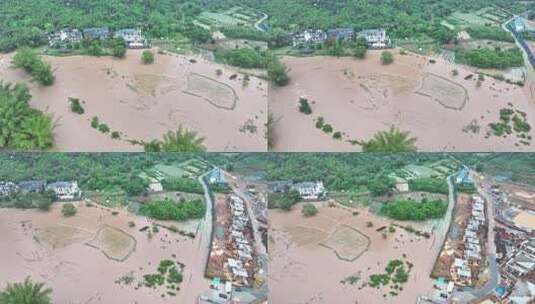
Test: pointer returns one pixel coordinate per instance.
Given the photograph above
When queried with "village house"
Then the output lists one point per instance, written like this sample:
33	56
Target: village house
279	186
523	293
341	34
376	38
520	24
64	36
461	273
133	38
308	38
32	186
463	177
97	33
7	188
216	177
65	191
310	190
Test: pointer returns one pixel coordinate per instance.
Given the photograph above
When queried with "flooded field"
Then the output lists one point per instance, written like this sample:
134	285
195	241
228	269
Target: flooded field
360	97
143	102
335	252
107	252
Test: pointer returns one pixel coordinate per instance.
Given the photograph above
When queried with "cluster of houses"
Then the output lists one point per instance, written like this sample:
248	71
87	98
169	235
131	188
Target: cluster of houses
521	261
376	38
64	190
133	37
240	256
466	265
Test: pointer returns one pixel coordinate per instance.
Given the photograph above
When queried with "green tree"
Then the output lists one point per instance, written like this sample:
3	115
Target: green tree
182	140
390	141
28	60
36	133
309	210
119	48
147	57
26	292
387	57
68	210
278	73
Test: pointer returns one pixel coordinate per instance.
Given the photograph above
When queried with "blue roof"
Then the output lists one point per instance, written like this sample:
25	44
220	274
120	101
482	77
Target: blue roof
217	176
500	290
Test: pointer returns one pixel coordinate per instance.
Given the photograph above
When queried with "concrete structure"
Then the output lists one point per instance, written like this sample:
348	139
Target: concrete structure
133	38
64	36
341	34
308	38
376	38
65	191
97	33
7	188
310	190
32	186
520	24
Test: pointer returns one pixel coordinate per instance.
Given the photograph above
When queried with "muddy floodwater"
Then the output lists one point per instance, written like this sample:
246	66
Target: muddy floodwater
361	97
315	252
76	256
143	102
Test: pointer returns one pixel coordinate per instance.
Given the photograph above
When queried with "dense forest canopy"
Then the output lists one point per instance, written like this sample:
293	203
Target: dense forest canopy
23	21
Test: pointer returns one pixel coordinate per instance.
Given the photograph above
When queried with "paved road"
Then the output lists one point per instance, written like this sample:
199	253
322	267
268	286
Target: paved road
530	71
259	22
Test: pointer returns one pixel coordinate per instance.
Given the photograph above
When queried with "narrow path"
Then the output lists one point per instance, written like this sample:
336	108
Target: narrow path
259	22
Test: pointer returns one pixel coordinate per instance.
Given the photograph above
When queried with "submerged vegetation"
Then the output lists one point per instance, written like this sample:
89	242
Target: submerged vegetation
28	60
181	140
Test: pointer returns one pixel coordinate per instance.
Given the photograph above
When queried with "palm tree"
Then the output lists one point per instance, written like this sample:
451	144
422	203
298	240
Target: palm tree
183	140
392	140
37	133
25	293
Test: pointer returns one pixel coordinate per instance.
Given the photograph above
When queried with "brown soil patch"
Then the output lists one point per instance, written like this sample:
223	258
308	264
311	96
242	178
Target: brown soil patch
444	91
114	243
348	243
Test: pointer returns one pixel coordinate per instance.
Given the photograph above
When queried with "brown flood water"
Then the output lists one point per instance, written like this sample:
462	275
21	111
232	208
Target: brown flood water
80	274
298	260
361	97
145	101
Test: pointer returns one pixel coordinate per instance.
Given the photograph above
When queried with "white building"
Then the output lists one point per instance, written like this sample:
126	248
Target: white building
310	190
65	191
376	38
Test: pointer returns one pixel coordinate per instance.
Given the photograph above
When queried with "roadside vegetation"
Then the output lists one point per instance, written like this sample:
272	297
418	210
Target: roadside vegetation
172	210
182	184
408	210
428	184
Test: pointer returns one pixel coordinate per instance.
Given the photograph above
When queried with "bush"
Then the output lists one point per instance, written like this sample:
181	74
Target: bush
147	57
76	106
94	122
309	210
119	48
68	210
337	135
171	210
278	73
387	57
426	184
115	135
327	128
406	210
26	59
320	122
103	128
304	107
182	184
